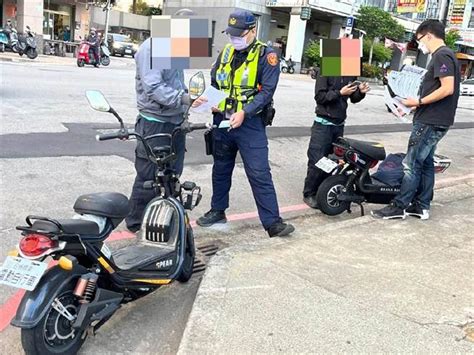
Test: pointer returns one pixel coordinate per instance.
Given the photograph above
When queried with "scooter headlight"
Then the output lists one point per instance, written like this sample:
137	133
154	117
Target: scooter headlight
160	222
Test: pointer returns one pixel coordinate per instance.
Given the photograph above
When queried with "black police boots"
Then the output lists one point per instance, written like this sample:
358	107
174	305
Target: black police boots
212	217
280	229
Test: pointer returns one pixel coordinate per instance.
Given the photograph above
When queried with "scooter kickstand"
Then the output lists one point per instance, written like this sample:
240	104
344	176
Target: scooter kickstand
362	211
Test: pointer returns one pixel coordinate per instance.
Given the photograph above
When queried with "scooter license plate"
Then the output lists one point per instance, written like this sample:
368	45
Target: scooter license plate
326	165
22	273
128	51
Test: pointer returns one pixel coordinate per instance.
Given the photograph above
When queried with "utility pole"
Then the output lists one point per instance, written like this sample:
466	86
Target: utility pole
443	12
107	11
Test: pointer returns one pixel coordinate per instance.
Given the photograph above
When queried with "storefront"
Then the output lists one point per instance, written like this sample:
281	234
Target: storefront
57	20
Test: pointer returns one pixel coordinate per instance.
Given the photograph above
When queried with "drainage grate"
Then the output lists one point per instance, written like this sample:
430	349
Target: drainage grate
204	253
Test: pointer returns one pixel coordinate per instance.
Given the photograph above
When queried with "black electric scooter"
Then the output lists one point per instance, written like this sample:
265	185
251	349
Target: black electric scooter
78	295
350	180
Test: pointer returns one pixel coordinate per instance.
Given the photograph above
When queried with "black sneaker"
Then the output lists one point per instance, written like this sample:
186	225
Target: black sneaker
415	210
212	217
311	201
391	211
280	229
134	228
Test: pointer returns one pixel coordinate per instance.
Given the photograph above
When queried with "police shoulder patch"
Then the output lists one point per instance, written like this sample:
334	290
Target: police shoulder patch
272	59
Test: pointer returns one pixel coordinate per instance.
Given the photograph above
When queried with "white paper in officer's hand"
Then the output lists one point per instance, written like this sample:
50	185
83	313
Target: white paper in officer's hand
214	98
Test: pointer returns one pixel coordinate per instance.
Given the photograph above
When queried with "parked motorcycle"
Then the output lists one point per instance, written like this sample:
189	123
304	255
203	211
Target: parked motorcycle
351	181
85	55
313	71
3	40
287	66
74	298
21	44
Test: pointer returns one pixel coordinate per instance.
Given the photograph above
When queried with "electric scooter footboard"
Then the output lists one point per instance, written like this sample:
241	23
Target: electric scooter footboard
376	191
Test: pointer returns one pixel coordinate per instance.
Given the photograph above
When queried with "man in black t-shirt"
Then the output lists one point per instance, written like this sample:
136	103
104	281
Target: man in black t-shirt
435	111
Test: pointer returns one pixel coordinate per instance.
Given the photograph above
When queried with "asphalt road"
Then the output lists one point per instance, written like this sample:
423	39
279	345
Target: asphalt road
48	157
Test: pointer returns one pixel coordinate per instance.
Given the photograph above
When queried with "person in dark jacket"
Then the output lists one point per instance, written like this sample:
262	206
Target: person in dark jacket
331	95
94	41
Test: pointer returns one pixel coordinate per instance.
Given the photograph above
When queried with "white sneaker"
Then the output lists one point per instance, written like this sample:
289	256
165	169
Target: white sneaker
416	211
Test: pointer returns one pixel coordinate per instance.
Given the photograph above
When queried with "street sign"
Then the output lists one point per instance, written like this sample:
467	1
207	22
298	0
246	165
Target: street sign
349	25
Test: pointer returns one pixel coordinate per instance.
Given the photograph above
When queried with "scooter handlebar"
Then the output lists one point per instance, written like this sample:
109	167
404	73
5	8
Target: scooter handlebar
199	126
121	134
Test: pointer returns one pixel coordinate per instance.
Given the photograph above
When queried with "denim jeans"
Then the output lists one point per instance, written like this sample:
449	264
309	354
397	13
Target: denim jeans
418	166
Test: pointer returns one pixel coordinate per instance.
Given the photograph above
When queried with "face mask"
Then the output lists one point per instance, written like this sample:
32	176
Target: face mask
422	47
239	43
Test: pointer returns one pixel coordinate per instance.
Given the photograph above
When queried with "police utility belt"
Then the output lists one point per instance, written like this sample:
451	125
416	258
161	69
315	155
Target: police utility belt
266	114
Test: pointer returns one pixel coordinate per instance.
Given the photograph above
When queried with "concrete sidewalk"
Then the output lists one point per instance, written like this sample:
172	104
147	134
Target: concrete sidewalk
361	285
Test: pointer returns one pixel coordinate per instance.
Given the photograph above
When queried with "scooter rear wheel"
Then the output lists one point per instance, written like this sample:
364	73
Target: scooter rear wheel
80	63
284	70
326	197
54	333
105	61
189	256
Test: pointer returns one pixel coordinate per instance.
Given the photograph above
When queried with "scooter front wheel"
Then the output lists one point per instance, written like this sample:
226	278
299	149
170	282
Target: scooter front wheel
80	63
31	53
291	70
189	256
327	196
54	333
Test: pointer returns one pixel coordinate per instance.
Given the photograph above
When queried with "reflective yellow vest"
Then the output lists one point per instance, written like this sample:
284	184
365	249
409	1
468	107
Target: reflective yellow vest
244	78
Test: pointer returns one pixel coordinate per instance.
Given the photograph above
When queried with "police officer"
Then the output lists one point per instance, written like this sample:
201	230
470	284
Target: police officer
161	101
248	72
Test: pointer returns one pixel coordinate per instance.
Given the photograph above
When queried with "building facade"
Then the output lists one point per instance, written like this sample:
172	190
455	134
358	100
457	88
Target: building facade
279	21
68	20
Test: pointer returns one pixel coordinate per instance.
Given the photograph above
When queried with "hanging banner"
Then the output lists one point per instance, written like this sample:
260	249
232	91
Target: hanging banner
456	13
413	6
390	44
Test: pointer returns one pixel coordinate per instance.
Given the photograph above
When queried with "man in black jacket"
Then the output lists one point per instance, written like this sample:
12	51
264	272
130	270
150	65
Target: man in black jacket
331	94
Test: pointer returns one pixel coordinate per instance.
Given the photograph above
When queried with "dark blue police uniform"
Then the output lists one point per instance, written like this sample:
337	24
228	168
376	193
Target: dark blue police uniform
250	139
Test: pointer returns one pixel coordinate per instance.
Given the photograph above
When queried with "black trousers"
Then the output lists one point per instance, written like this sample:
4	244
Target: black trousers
146	170
320	145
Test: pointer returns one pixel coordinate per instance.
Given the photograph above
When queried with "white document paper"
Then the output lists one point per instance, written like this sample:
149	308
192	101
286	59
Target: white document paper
406	83
396	106
214	98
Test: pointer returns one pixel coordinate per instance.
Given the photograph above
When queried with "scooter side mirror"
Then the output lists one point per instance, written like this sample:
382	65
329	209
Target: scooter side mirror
197	85
98	101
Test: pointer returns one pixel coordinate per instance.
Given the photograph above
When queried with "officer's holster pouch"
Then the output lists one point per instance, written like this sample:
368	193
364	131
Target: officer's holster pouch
268	113
209	140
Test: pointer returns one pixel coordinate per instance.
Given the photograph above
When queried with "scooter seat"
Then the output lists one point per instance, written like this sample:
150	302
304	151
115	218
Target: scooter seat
134	256
104	204
68	226
373	150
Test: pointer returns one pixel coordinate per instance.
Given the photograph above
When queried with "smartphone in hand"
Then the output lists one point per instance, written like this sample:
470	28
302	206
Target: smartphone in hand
355	83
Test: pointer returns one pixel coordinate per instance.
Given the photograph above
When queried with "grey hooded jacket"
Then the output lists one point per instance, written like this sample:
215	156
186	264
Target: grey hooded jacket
161	93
